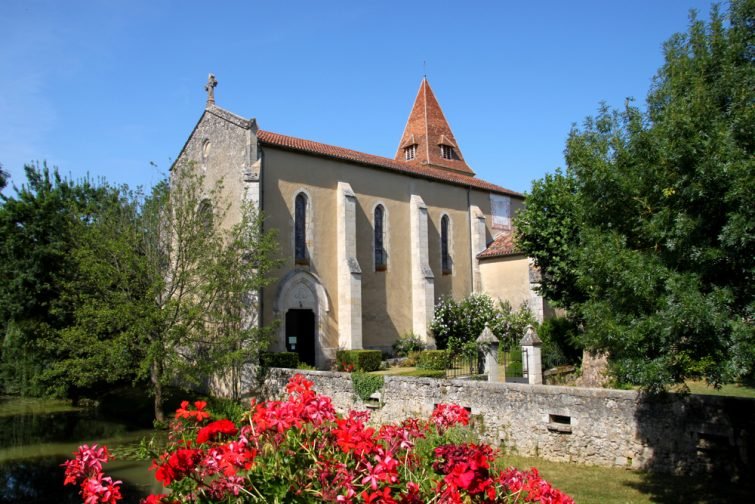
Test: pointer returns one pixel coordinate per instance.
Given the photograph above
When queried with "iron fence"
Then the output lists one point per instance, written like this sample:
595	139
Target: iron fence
465	365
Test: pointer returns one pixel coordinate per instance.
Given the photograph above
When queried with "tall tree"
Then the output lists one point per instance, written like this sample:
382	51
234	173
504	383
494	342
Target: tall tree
165	283
648	238
206	277
37	227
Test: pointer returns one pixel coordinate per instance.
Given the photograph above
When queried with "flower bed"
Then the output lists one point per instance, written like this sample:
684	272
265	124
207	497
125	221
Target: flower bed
300	450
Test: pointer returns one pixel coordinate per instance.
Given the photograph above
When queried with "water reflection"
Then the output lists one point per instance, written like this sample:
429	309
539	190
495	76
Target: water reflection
36	436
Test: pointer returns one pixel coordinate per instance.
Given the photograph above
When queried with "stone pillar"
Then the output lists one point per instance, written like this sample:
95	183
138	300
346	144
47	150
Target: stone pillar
531	356
488	344
477	244
349	272
537	305
423	280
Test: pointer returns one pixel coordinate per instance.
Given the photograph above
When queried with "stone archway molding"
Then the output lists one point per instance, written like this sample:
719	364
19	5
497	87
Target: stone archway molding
303	290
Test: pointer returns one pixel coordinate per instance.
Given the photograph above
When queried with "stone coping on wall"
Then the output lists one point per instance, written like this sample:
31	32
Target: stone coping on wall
620	428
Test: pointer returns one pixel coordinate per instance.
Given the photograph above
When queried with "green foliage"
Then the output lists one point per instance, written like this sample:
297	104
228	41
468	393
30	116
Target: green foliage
305	366
360	360
280	359
561	346
648	237
222	407
41	226
406	344
366	384
456	325
513	359
102	285
434	360
4	176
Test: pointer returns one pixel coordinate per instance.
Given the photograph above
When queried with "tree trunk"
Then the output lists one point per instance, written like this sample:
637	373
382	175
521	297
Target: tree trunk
156	375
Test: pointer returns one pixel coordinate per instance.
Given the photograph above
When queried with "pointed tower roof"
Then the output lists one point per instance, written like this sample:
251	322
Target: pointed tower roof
428	131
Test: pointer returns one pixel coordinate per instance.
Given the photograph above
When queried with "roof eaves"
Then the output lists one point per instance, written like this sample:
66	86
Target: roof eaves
380	162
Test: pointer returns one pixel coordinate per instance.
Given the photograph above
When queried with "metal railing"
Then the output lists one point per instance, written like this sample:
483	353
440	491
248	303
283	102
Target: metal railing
465	365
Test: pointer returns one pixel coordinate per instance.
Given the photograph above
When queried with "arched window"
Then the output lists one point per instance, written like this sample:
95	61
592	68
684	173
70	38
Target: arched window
204	215
445	257
300	229
381	257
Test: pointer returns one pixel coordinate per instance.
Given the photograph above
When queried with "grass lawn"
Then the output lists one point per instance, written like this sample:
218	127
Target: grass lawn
732	389
603	485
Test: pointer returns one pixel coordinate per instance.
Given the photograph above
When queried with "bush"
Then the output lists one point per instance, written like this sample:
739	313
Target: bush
434	359
221	407
406	344
458	323
359	360
561	346
288	360
366	384
514	362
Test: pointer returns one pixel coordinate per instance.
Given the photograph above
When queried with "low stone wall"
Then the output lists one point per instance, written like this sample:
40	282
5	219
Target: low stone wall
672	433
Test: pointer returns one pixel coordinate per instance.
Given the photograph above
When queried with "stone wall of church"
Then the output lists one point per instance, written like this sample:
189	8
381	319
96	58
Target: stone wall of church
223	148
617	428
386	295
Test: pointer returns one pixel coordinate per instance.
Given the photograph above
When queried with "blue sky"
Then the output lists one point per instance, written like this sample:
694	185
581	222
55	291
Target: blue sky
107	88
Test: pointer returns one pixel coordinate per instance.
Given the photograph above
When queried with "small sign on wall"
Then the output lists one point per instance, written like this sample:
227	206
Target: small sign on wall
501	210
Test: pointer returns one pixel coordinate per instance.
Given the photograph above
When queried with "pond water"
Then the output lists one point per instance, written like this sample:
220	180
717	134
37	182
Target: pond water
36	436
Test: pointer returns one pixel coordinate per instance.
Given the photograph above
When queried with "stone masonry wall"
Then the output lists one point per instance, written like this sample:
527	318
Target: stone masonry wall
683	434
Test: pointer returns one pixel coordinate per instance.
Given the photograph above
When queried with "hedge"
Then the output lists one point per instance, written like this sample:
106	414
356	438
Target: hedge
434	359
366	384
359	360
279	359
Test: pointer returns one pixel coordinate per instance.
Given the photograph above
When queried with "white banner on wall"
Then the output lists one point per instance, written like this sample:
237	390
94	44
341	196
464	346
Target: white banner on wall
501	208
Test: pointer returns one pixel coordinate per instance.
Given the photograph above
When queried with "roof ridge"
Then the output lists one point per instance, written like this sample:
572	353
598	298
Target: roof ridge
333	151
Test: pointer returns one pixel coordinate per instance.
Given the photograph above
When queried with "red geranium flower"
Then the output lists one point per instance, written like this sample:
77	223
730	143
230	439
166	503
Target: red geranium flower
211	431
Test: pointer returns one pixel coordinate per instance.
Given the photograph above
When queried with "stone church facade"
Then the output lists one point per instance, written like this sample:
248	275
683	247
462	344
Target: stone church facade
369	244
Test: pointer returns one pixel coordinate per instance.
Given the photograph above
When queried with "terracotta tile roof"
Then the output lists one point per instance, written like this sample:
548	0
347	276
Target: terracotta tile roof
502	246
428	129
424	171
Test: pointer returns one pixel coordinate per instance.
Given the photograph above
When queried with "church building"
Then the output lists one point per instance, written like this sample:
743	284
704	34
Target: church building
369	243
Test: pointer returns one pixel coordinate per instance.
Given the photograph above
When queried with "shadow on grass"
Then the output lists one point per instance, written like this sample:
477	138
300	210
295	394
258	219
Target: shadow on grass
708	438
671	489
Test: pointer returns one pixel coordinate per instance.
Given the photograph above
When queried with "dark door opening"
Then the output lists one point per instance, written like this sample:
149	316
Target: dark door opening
300	334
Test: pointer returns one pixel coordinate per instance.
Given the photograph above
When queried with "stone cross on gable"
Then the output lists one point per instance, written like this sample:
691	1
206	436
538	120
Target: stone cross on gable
210	88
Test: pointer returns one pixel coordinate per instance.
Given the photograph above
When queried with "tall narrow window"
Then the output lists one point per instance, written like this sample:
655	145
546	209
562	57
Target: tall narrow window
445	257
410	152
300	229
204	214
381	257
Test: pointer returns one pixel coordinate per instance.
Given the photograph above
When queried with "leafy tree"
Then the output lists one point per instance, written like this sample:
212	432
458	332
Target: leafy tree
4	176
648	237
37	227
109	293
162	282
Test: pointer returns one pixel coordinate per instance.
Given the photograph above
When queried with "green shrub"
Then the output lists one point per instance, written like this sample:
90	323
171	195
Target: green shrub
434	359
359	360
458	322
366	384
411	359
514	362
305	366
406	344
560	337
221	407
288	360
